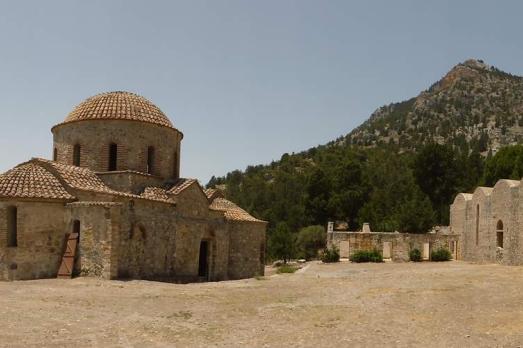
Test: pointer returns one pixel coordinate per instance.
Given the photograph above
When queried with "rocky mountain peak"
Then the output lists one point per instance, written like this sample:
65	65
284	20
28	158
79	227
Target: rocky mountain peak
474	106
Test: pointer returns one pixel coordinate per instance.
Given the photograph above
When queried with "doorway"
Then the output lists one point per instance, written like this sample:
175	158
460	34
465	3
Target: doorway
387	250
426	251
203	264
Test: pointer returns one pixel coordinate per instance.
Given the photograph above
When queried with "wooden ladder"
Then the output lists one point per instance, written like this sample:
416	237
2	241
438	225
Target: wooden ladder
67	265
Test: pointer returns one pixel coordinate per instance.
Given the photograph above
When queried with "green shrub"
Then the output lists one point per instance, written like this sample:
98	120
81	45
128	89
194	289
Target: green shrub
415	255
287	269
331	255
310	240
442	254
366	256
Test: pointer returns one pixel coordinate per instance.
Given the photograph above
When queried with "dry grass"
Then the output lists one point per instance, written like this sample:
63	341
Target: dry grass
395	305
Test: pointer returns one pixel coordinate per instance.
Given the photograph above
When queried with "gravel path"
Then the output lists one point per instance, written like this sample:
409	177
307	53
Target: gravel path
453	304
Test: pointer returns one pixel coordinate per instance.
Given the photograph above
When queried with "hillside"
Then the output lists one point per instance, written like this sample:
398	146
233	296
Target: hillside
401	168
473	105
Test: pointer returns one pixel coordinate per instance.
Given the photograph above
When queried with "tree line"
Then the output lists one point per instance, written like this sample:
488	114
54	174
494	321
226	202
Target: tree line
405	192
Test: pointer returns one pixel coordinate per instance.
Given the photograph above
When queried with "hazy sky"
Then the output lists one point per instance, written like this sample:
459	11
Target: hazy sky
246	81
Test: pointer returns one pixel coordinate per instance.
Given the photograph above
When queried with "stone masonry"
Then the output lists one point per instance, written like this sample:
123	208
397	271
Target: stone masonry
114	179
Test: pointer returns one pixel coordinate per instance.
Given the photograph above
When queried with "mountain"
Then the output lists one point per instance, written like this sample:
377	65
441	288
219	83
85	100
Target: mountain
474	105
401	168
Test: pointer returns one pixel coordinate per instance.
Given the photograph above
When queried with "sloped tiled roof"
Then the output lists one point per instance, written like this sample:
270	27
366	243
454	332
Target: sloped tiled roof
86	180
181	185
155	193
212	194
232	211
29	180
118	106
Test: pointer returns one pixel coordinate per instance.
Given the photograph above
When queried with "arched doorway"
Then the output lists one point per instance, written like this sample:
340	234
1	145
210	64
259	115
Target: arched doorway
203	263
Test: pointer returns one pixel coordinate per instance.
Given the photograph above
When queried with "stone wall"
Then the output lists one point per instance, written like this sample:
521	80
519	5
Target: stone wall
147	241
479	217
131	238
132	138
131	182
41	240
397	245
99	237
247	249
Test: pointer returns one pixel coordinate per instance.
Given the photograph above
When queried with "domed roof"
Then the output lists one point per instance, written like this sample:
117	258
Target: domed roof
118	106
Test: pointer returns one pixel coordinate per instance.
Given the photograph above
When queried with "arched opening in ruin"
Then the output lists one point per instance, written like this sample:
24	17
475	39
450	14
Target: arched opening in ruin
76	155
499	234
150	159
55	154
113	157
12	227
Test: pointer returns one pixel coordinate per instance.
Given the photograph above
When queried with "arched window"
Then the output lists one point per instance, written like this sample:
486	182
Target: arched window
76	155
113	157
12	227
150	159
55	154
477	224
499	234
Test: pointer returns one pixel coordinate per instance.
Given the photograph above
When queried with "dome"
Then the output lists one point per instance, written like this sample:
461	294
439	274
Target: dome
118	106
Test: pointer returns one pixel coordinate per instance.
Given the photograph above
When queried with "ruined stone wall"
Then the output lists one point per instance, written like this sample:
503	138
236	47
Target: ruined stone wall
41	240
478	235
504	205
132	138
246	249
400	243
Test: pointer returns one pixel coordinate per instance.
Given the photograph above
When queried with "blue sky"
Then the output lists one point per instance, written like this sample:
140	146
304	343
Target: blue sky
246	81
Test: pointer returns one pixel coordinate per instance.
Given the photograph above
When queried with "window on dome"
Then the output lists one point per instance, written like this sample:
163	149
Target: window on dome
113	157
76	155
150	159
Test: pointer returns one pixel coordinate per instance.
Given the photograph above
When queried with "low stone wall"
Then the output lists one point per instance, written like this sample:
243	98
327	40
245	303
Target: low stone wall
393	245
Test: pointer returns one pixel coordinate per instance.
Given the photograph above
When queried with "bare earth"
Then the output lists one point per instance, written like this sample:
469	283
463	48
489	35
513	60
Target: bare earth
452	304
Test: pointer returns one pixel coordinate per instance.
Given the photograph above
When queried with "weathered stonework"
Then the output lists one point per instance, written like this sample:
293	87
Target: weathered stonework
137	221
394	245
488	222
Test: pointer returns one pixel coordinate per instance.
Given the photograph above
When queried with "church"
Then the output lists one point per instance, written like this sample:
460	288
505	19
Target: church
111	204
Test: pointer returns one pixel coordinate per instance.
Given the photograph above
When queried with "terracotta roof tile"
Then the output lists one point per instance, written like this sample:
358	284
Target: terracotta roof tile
155	193
212	194
86	180
29	180
118	106
181	185
79	178
232	211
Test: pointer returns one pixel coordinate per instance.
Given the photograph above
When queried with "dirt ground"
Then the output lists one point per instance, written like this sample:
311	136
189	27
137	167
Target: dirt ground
452	304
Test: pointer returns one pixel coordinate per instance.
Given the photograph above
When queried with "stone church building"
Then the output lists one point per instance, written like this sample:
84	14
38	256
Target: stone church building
111	204
489	222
